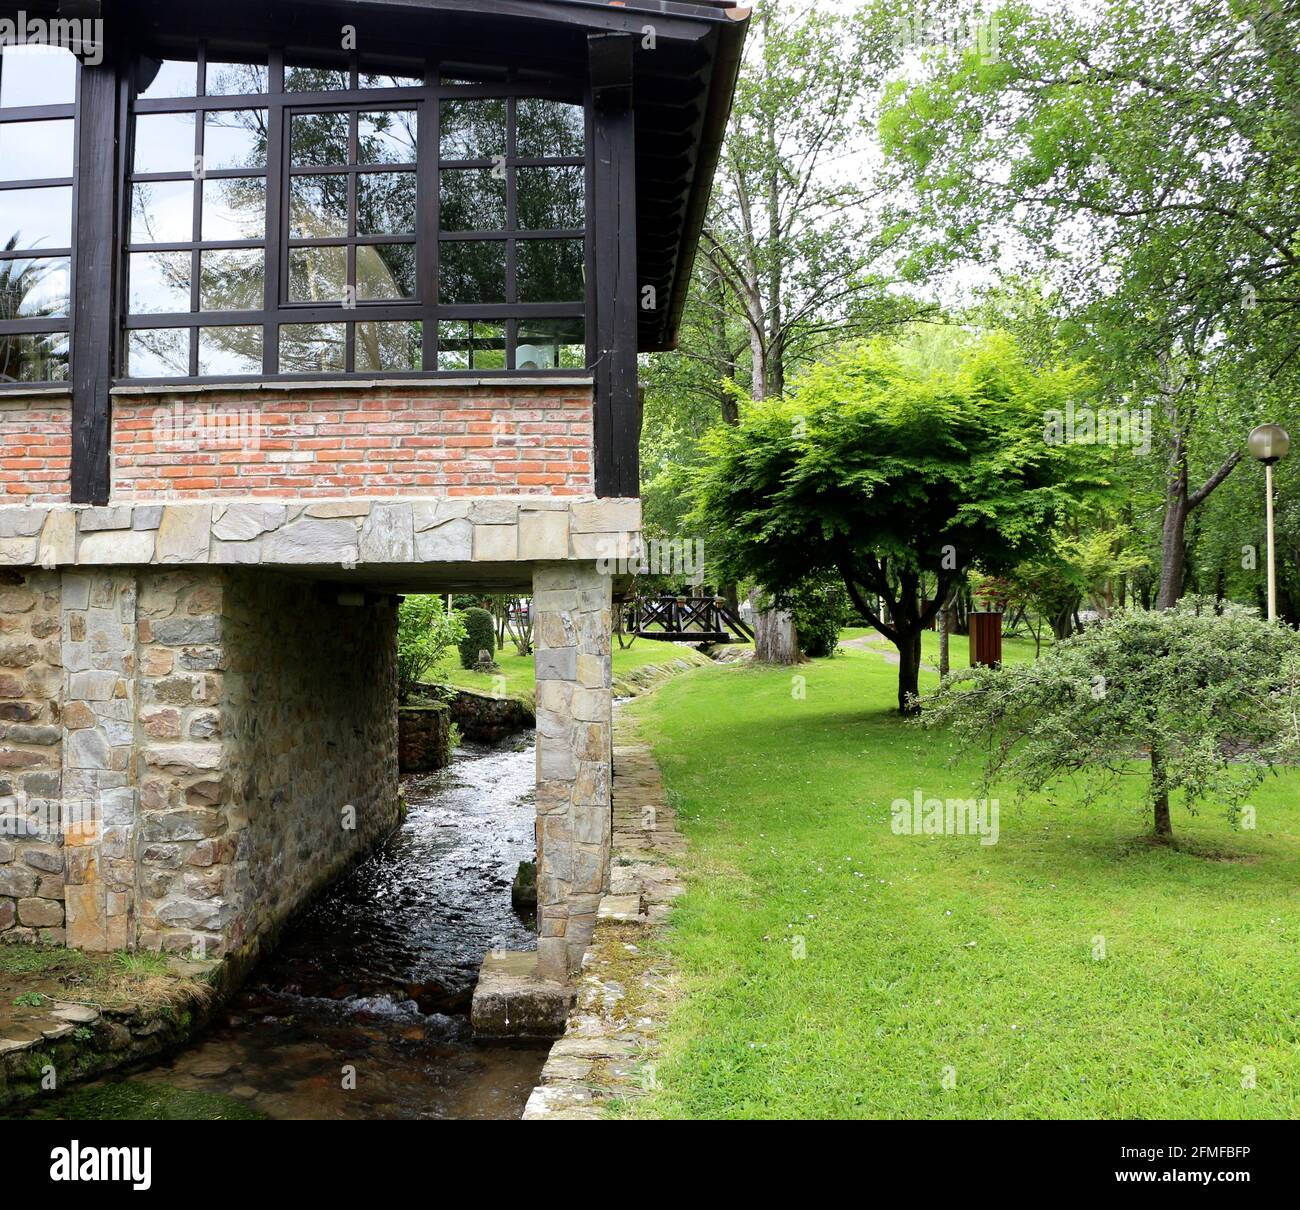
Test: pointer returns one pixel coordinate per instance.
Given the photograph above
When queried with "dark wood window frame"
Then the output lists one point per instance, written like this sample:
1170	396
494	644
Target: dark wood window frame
426	308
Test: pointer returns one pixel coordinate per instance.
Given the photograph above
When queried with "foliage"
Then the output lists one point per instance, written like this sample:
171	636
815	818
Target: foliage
820	607
895	480
424	633
479	635
1194	700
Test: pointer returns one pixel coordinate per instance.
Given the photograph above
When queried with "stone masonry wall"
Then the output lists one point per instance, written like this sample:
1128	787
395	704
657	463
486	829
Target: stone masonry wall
31	704
311	705
572	607
323	442
186	755
35	450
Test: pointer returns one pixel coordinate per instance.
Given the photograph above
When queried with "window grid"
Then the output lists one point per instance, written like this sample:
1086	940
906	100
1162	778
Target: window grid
565	324
34	349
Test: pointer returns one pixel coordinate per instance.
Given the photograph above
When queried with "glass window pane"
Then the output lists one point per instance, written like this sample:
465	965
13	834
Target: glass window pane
387	347
170	78
36	218
320	138
551	199
313	348
318	207
387	137
550	270
162	212
318	274
34	289
472	271
385	271
158	353
548	129
473	199
237	79
230	351
233	279
31	151
551	344
164	142
159	282
312	78
234	138
34	357
413	79
37	75
386	203
234	209
471	346
473	129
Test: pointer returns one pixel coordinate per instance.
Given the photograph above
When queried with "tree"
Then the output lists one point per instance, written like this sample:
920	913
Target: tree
425	632
894	480
1200	700
1143	154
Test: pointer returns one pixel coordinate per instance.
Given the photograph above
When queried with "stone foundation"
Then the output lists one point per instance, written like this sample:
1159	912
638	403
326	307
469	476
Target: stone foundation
423	738
186	756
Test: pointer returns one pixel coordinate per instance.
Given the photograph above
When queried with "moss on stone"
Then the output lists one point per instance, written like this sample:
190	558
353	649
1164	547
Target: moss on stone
138	1101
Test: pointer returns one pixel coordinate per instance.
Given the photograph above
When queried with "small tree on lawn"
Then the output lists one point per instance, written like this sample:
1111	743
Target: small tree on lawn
897	480
1198	701
425	633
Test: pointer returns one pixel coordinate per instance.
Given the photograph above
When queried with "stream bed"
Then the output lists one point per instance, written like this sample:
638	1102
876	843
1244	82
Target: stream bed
362	1011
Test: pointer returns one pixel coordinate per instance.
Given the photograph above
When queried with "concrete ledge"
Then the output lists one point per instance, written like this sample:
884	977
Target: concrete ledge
339	533
512	1001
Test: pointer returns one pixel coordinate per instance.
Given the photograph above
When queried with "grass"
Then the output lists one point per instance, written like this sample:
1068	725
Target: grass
1014	650
518	674
120	980
942	978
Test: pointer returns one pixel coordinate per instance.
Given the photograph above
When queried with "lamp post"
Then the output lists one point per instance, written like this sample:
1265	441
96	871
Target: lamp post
1269	444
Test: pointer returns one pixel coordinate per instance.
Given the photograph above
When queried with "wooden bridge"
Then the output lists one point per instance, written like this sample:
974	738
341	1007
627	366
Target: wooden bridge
685	620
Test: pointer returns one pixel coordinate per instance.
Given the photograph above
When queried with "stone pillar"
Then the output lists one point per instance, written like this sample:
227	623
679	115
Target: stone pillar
98	782
572	605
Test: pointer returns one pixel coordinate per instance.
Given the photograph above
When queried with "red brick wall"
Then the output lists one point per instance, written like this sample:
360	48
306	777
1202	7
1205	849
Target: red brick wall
455	441
35	450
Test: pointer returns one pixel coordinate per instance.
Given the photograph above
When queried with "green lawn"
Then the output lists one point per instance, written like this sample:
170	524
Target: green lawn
1014	650
934	957
518	670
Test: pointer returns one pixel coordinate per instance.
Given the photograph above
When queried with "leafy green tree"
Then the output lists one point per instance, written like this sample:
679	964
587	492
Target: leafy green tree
425	632
1143	155
479	635
1198	701
894	480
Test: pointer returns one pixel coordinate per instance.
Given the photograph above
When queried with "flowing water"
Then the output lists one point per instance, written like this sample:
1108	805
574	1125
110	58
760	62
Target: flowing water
375	977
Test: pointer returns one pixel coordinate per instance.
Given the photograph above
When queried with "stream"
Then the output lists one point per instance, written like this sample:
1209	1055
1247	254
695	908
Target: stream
376	975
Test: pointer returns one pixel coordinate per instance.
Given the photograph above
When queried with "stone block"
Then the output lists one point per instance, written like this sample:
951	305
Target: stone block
94	520
313	541
243	522
22	521
496	543
557	664
388	534
185	533
114	547
58	545
452	542
606	516
543	535
514	998
40	913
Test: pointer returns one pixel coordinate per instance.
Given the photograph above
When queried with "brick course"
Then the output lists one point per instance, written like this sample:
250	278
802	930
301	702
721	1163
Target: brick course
454	441
35	450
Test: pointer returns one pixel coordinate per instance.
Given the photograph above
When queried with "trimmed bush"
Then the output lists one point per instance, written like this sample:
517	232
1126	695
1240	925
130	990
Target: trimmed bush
480	635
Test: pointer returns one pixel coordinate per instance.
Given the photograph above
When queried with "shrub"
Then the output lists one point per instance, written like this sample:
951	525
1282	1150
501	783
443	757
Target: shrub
480	635
820	609
1201	700
424	633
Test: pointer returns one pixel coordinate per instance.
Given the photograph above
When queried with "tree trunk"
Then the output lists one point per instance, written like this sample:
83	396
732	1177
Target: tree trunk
775	638
1164	829
944	663
909	671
